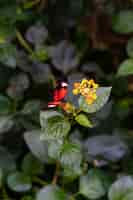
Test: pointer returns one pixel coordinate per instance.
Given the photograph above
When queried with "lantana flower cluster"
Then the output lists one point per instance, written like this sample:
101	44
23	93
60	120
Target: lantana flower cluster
86	88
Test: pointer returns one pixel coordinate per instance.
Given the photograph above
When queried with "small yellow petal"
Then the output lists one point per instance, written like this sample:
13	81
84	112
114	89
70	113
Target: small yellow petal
75	91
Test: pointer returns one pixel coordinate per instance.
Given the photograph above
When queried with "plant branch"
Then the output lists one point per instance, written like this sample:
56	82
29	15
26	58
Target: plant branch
39	181
23	42
57	172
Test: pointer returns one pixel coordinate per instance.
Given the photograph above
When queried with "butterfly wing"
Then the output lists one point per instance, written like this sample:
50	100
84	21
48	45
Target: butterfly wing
59	94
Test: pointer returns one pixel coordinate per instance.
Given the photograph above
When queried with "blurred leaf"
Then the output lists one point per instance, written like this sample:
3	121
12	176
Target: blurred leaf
54	125
108	147
105	111
64	56
1	177
41	73
122	22
31	166
103	94
121	189
83	120
32	107
129	48
92	67
37	146
51	192
8	55
6	33
126	68
92	185
5	105
37	34
17	85
76	8
7	162
28	197
6	124
19	182
40	54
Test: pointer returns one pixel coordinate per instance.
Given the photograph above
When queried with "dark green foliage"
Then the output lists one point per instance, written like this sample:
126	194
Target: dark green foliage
75	153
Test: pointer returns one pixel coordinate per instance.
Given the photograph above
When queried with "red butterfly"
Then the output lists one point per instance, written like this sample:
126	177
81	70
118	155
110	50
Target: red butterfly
59	94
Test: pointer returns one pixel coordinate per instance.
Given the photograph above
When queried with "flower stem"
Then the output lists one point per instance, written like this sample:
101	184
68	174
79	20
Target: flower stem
23	42
57	172
39	181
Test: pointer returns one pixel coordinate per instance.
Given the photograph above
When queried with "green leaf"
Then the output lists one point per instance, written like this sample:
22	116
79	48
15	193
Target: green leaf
54	125
7	30
92	185
70	174
32	107
1	177
126	68
38	148
5	105
83	120
103	94
6	123
51	192
40	55
123	22
19	182
54	149
31	166
71	155
121	189
7	162
8	55
129	48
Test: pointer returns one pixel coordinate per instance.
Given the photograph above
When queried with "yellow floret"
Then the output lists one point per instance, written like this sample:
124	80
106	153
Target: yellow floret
86	88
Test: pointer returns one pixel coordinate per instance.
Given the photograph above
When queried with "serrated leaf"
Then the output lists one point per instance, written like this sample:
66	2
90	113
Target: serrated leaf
83	120
54	125
122	22
19	182
103	94
51	192
31	166
92	185
121	189
126	68
38	148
